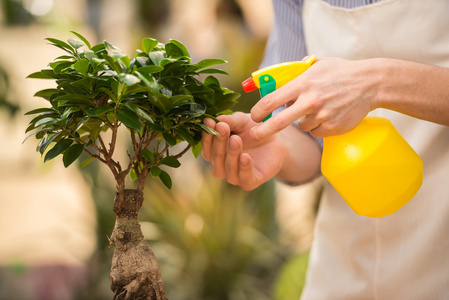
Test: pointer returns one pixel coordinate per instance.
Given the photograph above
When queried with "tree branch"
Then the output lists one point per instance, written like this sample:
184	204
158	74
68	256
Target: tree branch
182	152
114	137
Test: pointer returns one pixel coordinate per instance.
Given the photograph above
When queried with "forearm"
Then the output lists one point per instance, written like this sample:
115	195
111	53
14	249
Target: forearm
414	89
304	156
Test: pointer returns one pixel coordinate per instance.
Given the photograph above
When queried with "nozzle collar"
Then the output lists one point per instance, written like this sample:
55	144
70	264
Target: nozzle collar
249	85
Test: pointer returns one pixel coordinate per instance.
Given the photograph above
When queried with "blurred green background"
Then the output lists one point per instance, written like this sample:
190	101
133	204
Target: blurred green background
214	241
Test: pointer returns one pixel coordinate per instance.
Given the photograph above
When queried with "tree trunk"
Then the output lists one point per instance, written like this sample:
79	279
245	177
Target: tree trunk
135	272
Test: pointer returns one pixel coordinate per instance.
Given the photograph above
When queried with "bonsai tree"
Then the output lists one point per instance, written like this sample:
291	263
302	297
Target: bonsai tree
158	99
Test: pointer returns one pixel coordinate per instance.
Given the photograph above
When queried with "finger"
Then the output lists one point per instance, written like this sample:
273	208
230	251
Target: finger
206	140
235	147
219	150
274	100
248	179
308	122
277	123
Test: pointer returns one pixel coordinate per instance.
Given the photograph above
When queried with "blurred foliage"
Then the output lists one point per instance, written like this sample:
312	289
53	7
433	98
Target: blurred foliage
290	283
217	243
15	13
5	94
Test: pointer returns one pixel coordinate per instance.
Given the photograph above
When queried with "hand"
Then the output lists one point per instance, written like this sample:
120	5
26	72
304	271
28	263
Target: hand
239	158
331	97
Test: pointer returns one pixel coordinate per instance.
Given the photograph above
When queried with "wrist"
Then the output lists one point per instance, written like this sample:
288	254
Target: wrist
379	72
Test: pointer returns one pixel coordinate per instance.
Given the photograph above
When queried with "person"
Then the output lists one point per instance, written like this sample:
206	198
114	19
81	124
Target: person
387	58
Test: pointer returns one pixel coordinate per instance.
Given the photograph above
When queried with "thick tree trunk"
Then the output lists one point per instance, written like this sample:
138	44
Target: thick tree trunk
135	272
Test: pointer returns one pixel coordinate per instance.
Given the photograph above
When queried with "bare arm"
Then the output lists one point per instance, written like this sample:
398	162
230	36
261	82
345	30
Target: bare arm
334	95
414	89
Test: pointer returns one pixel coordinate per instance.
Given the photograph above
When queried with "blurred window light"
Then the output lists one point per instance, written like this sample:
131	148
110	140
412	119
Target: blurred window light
39	8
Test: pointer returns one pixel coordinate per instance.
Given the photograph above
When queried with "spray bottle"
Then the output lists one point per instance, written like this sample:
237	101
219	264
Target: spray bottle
372	167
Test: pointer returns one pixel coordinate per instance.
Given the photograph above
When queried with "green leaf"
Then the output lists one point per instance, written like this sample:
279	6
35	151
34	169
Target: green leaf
69	110
149	81
179	99
207	129
46	94
130	119
72	154
82	38
171	141
139	112
151	69
196	149
211	81
205	63
125	62
82	66
181	47
112	64
162	101
46	121
61	44
84	83
165	178
34	133
129	79
41	75
185	135
113	51
173	51
60	147
213	71
40	110
170	161
148	44
156	57
43	146
148	155
75	43
133	175
81	124
86	162
168	124
155	171
59	66
73	99
96	111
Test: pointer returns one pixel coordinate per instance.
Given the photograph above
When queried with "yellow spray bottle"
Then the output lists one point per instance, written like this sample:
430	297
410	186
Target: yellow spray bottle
372	167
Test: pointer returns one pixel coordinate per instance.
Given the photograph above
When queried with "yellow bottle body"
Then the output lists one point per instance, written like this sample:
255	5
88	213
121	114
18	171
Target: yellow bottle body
372	167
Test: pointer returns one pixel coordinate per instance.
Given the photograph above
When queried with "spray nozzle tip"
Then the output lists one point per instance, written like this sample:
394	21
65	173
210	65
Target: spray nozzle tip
249	85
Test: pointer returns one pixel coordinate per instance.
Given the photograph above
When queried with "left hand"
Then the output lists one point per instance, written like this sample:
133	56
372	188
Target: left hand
330	98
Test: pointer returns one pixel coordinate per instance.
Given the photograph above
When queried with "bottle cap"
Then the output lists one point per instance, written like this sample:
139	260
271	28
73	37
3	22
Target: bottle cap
249	85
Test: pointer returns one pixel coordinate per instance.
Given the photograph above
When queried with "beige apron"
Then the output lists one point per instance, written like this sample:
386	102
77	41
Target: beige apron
405	255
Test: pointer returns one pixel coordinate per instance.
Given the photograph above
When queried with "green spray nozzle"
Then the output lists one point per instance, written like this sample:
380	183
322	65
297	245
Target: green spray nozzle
273	77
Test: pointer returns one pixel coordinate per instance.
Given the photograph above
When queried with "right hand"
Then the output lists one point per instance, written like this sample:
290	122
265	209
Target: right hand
237	156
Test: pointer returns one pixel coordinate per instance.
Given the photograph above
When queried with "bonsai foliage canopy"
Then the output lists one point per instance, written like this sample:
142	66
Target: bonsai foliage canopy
157	95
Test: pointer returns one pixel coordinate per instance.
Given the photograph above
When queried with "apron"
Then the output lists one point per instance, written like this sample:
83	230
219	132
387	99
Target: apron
404	255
